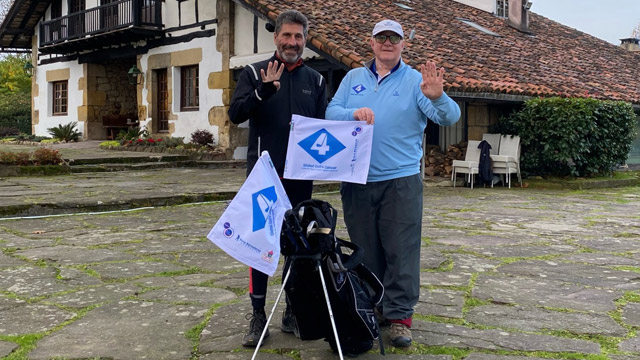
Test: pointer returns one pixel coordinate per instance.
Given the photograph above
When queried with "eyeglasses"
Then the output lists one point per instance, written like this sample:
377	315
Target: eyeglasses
394	39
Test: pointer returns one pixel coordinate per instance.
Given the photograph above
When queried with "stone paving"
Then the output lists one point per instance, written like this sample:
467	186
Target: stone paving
519	274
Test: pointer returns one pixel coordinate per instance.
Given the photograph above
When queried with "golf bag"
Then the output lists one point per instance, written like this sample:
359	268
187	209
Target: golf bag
309	242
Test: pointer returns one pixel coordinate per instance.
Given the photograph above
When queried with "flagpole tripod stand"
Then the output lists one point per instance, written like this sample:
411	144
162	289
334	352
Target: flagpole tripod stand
293	258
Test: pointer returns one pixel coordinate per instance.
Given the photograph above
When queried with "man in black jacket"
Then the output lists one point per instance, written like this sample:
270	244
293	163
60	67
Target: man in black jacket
267	94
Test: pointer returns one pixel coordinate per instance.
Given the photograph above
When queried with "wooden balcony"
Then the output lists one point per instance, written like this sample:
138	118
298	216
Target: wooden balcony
123	21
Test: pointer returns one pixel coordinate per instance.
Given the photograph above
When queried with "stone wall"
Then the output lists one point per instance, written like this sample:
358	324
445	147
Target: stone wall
120	95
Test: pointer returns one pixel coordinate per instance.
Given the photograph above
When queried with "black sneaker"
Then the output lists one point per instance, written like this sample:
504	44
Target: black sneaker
289	324
256	326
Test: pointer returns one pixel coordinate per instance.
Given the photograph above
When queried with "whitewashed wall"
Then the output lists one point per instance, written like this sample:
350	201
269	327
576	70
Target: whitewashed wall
43	103
189	121
484	5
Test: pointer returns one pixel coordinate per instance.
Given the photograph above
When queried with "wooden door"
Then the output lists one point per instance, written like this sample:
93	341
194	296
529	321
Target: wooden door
162	101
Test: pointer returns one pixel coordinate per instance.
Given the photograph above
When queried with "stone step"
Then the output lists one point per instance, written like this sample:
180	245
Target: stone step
127	159
107	167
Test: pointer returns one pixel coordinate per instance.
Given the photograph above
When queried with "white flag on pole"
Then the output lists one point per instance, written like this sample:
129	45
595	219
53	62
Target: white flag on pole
328	150
249	229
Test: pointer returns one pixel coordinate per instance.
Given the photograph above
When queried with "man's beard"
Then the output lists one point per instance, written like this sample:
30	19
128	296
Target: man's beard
290	59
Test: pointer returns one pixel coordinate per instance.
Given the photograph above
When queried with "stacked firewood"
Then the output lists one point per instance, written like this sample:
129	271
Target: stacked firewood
438	163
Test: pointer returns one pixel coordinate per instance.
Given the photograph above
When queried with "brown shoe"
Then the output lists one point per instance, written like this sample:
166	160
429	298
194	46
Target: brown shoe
256	326
400	335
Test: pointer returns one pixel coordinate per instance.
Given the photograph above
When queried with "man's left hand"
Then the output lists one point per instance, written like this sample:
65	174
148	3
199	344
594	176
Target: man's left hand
432	80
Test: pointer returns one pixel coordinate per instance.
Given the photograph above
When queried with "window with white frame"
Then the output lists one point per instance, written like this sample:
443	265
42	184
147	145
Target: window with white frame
502	8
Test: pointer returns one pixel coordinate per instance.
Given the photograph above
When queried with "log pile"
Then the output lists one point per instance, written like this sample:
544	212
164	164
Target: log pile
438	163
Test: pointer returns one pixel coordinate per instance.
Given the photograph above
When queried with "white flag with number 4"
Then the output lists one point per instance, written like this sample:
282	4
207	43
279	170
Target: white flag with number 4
249	229
328	150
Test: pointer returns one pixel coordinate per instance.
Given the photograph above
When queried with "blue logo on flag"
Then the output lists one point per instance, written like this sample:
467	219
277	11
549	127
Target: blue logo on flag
228	230
359	88
321	145
263	202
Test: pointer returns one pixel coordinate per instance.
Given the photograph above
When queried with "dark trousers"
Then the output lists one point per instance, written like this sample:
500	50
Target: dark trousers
385	219
297	191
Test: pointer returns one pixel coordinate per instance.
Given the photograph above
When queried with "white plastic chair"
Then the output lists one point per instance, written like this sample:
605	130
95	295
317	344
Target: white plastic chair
507	161
469	165
494	141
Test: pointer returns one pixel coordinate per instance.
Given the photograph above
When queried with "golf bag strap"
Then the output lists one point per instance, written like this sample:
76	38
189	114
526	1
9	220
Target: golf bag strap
372	280
355	258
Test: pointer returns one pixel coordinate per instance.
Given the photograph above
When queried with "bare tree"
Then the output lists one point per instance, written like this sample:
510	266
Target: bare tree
636	32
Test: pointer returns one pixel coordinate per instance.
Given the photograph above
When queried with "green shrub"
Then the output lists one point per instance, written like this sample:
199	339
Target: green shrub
19	158
132	133
173	142
8	131
15	111
202	137
66	132
41	156
579	137
7	157
44	156
108	144
27	137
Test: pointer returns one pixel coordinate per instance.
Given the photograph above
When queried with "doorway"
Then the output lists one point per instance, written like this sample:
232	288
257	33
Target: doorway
162	101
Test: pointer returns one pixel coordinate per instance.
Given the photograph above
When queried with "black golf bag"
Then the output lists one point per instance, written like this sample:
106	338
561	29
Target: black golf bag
312	249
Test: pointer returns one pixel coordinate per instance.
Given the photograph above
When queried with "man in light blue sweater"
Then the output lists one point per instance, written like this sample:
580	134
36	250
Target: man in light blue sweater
384	216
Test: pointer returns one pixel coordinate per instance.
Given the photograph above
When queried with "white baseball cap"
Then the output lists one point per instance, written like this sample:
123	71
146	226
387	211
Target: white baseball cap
387	25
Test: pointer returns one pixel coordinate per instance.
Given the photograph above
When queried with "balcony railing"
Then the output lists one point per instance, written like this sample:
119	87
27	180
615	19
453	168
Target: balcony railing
102	19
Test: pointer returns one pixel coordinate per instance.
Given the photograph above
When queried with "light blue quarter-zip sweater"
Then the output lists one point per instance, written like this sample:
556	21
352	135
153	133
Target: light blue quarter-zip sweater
401	112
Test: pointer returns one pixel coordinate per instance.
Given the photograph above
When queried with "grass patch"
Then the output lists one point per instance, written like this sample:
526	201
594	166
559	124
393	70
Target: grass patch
193	334
26	342
626	235
627	268
421	349
510	260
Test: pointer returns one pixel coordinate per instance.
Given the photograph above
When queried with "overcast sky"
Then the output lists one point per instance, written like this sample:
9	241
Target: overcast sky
610	20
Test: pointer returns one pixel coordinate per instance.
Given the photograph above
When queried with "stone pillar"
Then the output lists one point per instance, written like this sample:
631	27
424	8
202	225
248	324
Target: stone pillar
93	100
230	136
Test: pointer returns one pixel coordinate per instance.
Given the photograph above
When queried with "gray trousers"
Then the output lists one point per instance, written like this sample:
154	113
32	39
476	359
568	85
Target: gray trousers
385	219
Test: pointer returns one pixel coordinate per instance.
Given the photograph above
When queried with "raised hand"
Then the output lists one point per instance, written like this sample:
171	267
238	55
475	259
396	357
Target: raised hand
432	80
273	73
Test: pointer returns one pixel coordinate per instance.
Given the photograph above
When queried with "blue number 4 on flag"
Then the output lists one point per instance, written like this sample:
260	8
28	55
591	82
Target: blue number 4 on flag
254	240
321	145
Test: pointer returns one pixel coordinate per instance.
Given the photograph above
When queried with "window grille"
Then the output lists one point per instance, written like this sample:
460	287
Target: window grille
502	8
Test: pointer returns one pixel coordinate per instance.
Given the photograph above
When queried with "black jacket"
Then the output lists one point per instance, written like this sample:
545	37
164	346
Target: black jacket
485	171
302	92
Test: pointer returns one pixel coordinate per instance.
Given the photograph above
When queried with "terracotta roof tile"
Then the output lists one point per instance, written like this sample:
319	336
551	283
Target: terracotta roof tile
553	60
